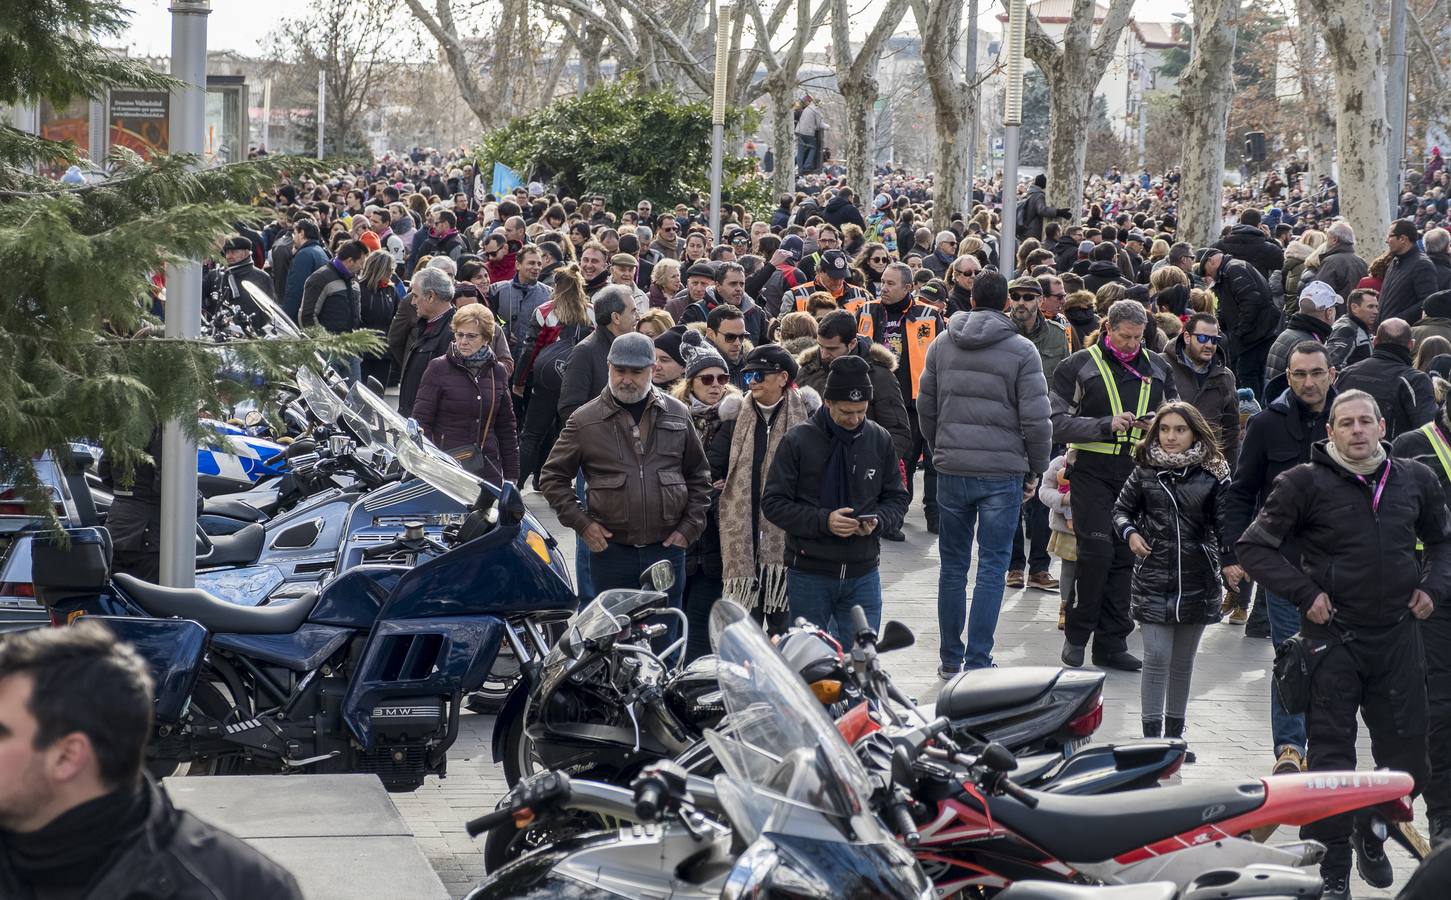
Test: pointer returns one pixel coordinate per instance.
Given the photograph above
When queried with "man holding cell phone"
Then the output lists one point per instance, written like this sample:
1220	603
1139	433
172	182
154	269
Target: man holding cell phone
834	487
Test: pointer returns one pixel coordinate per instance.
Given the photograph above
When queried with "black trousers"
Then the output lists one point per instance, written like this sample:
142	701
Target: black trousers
1436	638
1249	368
1380	673
1034	520
701	592
920	452
380	368
537	435
1105	565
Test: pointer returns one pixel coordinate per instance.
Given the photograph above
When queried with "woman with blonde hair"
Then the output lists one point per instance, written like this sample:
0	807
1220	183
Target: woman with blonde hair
463	403
555	327
664	282
655	323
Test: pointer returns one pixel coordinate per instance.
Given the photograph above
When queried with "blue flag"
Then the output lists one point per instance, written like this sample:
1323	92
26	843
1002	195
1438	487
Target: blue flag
505	180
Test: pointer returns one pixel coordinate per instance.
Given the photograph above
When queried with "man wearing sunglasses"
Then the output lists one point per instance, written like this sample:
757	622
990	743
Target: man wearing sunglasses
725	327
1202	378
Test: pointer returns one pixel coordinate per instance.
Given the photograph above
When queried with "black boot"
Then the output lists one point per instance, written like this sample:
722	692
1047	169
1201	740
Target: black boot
1174	728
1153	727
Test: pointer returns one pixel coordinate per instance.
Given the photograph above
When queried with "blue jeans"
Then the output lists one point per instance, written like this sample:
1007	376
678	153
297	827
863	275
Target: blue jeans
1288	730
989	508
826	601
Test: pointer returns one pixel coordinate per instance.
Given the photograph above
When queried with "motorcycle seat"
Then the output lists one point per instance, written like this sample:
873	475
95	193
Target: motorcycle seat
241	548
1087	829
232	509
1052	890
984	690
216	616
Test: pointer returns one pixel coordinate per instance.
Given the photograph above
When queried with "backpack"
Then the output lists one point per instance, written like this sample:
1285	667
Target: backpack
1022	218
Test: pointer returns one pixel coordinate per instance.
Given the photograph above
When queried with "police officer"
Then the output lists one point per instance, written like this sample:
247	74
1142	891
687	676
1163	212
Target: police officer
1355	515
1431	444
1103	398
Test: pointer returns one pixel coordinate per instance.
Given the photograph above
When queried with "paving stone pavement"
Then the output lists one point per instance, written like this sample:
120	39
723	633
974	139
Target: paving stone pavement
1228	713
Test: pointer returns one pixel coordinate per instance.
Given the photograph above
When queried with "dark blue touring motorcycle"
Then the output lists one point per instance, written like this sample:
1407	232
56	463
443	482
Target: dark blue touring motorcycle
366	675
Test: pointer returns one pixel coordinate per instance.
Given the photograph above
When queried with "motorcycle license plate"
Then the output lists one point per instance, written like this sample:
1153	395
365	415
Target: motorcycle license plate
1073	746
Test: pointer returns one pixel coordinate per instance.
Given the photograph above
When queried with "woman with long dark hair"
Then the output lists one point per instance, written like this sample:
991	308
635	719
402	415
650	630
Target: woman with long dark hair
555	327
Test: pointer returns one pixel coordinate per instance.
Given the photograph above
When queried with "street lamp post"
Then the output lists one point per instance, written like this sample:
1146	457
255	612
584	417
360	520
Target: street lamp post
1012	118
183	295
717	113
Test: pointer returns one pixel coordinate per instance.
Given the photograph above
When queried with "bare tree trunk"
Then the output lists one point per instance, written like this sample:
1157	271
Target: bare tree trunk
441	28
954	106
589	57
856	78
1316	86
1073	67
1205	90
1351	31
783	139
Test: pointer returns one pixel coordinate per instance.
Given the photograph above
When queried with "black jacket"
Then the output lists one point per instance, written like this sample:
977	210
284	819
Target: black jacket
1102	272
425	342
1213	394
1036	210
839	210
1411	278
1416	445
1181	513
792	497
1363	558
587	374
1405	395
1249	243
332	301
1247	308
177	856
1299	327
1276	440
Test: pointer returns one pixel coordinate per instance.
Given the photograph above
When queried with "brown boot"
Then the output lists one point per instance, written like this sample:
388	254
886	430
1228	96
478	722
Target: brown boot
1062	615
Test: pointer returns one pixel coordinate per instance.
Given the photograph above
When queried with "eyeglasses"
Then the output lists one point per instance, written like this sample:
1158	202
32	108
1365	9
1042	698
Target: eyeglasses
879	259
961	274
1301	374
712	380
1208	338
467	336
731	338
1023	298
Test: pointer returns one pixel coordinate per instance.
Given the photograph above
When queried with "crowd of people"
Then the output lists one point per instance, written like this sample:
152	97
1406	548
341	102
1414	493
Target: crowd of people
754	406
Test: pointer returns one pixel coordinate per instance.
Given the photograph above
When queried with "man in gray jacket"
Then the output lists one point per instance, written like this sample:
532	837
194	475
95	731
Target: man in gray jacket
983	406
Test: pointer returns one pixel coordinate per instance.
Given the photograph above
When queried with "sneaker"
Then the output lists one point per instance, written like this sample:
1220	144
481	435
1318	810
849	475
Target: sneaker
1015	578
1238	616
1063	615
1337	887
1370	859
947	673
1043	581
1440	830
1072	656
1290	762
1229	604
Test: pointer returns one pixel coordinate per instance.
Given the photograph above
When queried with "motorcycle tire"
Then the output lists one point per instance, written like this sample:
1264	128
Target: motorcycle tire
519	759
209	698
505	843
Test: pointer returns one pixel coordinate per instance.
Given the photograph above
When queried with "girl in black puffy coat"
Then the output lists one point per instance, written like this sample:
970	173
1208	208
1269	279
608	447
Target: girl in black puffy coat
1171	513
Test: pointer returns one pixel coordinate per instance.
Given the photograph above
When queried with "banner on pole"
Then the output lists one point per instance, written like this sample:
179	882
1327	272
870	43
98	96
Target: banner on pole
505	180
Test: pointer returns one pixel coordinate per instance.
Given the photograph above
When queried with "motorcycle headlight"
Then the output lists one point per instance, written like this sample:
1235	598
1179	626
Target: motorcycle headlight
750	872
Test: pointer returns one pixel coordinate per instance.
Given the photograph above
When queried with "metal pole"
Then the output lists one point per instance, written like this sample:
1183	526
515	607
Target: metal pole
267	115
717	115
321	107
183	296
1012	118
1396	100
975	96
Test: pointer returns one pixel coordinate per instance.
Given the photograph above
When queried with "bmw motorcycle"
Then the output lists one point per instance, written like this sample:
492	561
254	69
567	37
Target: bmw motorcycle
367	674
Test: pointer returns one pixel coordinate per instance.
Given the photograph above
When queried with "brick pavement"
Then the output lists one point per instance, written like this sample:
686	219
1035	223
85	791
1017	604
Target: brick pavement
1228	714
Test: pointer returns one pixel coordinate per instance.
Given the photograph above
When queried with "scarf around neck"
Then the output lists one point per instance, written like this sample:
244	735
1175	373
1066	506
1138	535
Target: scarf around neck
73	851
1160	458
836	475
1364	467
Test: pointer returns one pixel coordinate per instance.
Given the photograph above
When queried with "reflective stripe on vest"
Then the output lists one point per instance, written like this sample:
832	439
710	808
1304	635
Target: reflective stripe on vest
1443	454
917	336
1122	441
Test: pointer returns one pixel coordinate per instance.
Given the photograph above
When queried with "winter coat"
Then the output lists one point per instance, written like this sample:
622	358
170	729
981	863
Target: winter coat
1080	403
1102	272
1052	342
304	261
587	373
1299	327
332	300
1036	210
177	856
1291	274
1214	395
791	499
280	258
840	210
1247	311
1411	278
1277	439
1181	513
1082	322
1432	326
755	318
704	555
515	302
1338	267
887	407
1442	262
641	497
1364	558
1349	342
983	402
1059	507
1404	393
456	408
426	341
1249	243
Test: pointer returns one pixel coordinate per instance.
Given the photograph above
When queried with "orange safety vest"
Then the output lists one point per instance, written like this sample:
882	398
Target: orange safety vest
919	329
851	298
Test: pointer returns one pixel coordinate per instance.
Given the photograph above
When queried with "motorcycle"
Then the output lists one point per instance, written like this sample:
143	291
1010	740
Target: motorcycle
1264	882
365	675
789	817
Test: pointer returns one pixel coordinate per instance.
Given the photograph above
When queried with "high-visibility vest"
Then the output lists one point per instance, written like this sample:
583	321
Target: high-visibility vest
851	298
1439	445
1123	441
918	331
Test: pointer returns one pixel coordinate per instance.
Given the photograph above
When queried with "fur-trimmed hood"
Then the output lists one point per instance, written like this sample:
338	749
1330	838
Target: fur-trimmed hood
875	354
730	405
1298	250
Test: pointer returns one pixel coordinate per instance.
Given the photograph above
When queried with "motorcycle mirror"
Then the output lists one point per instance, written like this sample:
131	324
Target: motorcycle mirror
511	504
374	385
895	636
252	419
998	758
660	576
414	431
902	768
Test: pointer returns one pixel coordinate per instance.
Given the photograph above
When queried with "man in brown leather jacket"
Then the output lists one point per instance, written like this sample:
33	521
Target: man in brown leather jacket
646	476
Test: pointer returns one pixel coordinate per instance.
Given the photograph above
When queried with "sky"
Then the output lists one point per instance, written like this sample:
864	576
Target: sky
242	25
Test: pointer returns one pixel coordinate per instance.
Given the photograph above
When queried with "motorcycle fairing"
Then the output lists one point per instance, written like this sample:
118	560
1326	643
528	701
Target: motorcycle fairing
173	650
301	651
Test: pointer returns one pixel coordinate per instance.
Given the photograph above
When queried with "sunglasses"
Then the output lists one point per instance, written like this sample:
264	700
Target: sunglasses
731	338
962	274
879	259
713	380
1207	338
1024	298
750	378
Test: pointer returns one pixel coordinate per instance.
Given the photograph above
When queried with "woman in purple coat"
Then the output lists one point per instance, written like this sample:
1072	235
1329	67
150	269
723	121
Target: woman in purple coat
463	402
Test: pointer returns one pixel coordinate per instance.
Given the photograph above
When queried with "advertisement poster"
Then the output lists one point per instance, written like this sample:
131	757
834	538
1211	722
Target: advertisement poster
140	120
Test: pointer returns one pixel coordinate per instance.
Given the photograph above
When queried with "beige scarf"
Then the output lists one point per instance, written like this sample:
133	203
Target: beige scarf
1367	466
753	571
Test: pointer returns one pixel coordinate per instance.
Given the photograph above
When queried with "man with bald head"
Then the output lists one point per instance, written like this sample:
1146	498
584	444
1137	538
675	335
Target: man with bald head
1404	394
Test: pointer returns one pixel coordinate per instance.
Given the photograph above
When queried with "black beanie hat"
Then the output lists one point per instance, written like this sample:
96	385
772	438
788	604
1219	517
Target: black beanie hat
670	343
849	379
1438	304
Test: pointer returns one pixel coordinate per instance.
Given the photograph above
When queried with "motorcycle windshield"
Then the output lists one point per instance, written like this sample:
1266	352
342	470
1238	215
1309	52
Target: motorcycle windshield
779	750
372	417
320	399
281	322
606	616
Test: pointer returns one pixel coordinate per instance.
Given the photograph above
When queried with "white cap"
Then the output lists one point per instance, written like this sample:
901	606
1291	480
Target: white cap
1321	294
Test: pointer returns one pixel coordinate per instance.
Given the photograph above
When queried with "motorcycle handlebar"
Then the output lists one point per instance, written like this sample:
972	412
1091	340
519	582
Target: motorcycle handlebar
859	625
900	818
655	701
1007	786
488	821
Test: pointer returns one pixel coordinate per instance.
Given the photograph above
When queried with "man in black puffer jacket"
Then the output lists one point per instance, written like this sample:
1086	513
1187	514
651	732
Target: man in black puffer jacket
1356	515
1247	312
1248	242
1403	392
331	297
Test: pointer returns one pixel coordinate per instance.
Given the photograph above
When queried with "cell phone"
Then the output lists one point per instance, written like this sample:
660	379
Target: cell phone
866	517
